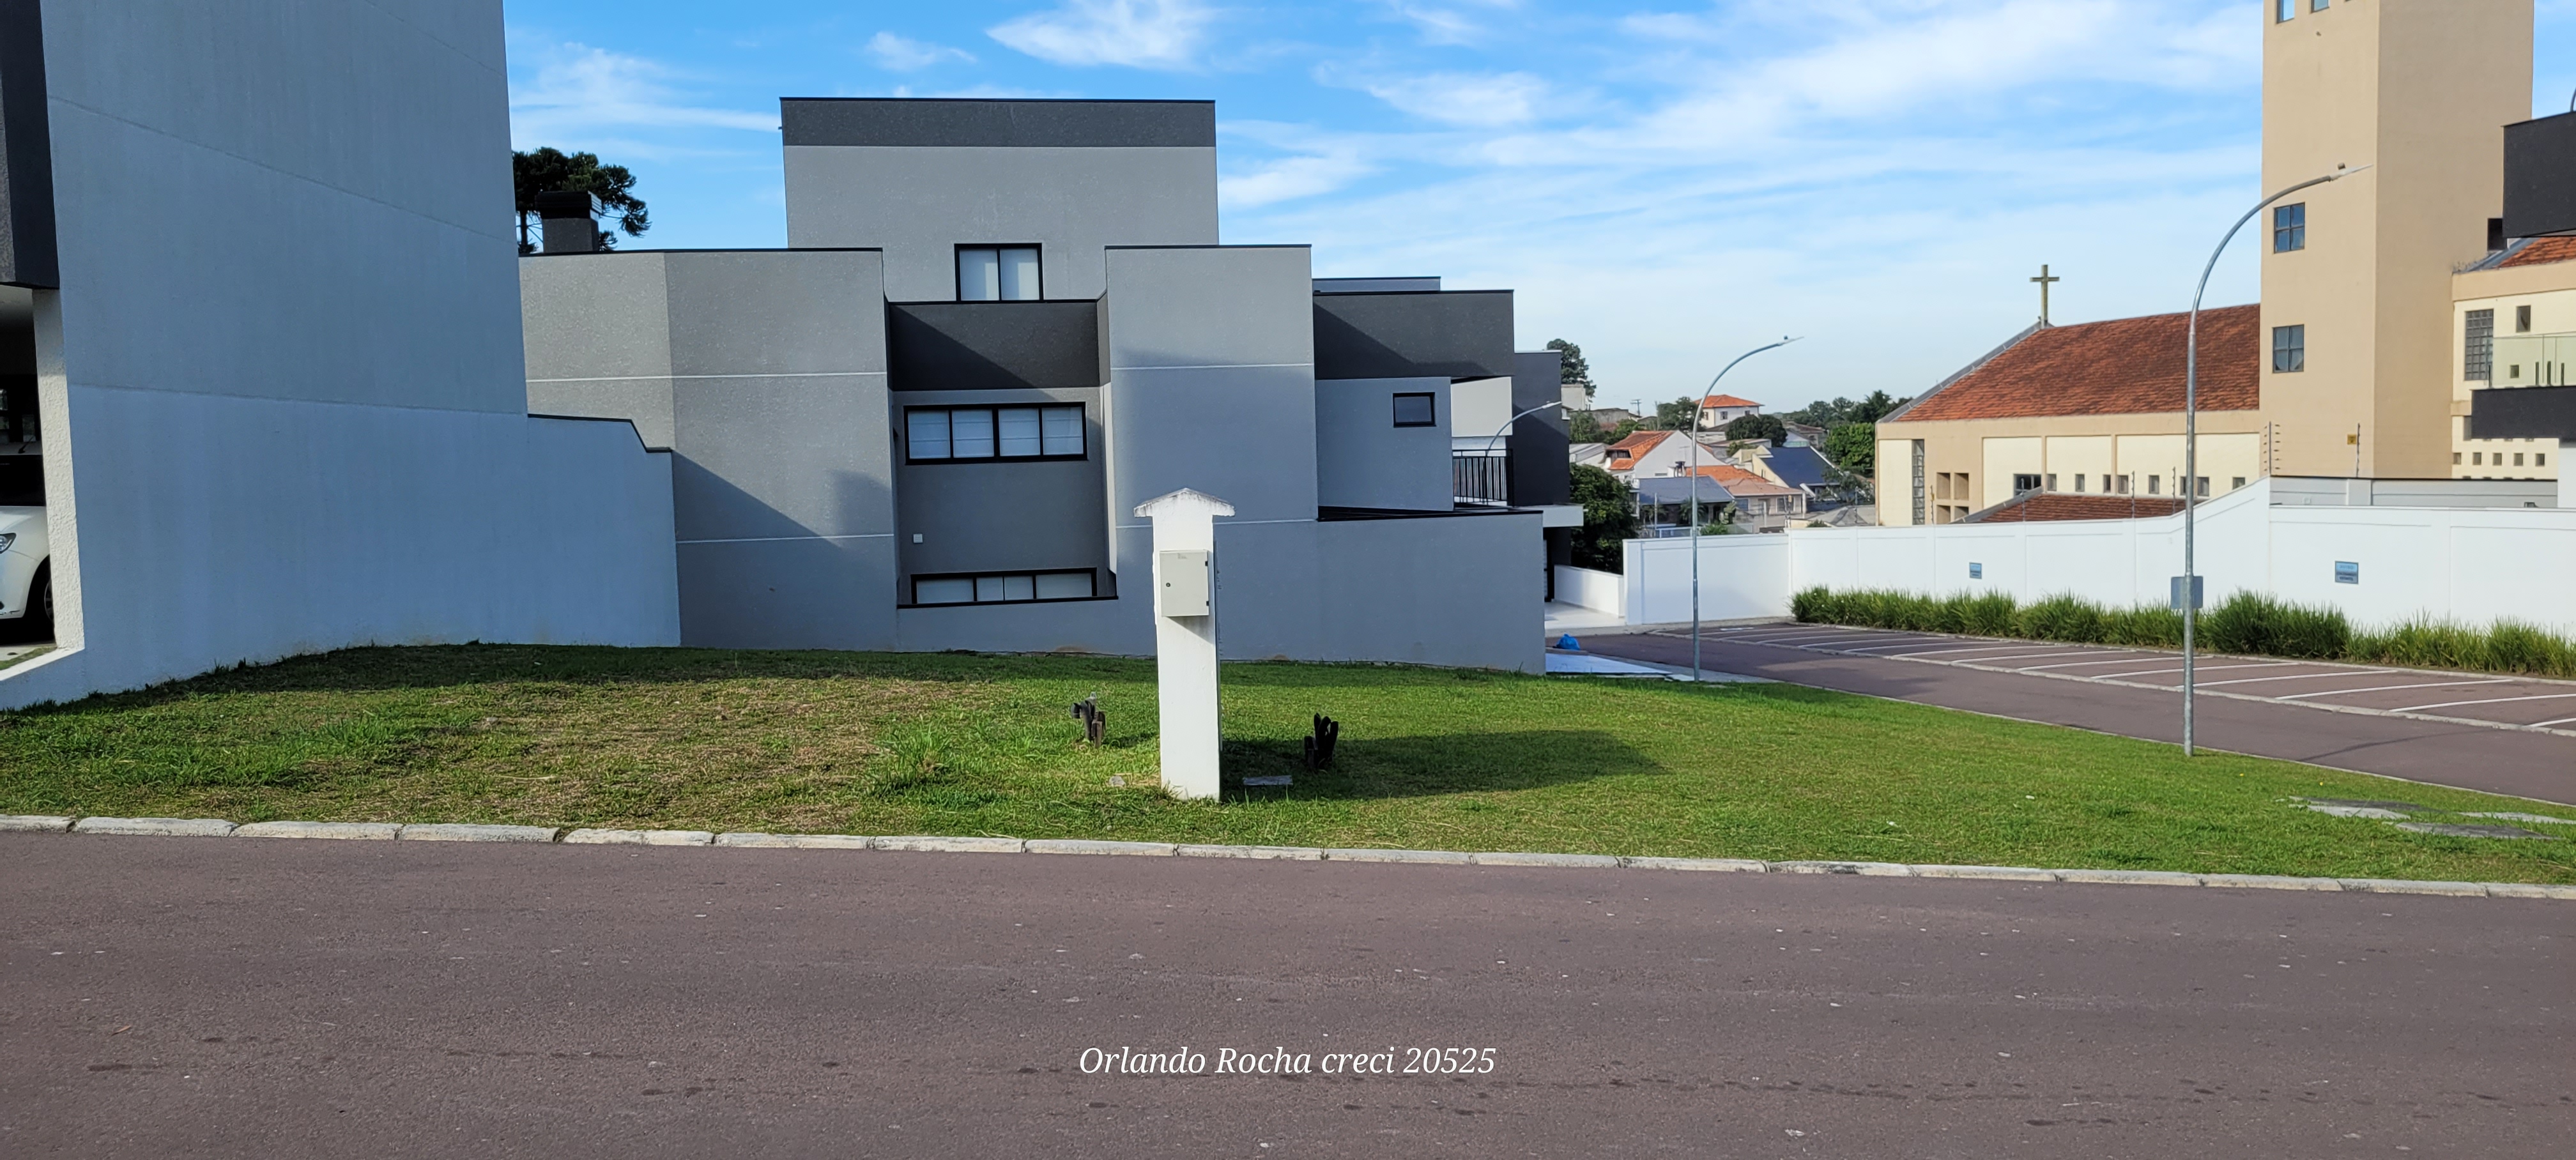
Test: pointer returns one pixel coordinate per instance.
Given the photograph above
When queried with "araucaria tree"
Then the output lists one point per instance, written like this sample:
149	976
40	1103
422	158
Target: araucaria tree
549	170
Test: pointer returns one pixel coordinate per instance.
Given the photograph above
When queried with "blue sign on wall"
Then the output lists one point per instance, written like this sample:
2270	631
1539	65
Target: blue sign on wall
1976	571
2347	572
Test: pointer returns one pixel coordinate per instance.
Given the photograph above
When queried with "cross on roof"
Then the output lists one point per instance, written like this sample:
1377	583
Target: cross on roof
2045	279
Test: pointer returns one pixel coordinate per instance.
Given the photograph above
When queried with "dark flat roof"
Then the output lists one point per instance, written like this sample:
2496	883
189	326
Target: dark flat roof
990	124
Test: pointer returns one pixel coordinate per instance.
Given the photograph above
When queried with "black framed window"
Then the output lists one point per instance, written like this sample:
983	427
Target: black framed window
2289	228
2289	349
2022	483
2522	320
951	434
1005	587
998	274
2477	357
1417	409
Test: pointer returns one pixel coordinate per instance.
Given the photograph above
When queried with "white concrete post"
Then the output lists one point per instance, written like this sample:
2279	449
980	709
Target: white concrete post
1185	637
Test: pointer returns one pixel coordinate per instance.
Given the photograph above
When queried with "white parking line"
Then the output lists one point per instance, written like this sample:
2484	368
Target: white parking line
2130	659
2560	721
2390	688
1918	640
2202	668
1803	641
2024	657
2291	677
2488	701
1974	648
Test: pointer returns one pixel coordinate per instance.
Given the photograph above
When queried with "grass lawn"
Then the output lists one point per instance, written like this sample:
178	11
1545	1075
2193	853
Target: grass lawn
897	743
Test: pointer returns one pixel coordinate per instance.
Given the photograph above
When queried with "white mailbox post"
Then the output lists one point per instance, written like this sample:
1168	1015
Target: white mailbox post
1185	636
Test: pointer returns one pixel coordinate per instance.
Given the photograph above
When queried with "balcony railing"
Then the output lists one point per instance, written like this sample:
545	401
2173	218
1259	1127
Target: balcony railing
1480	480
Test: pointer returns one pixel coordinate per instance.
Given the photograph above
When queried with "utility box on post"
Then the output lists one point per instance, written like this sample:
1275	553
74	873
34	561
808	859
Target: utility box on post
1185	637
1184	582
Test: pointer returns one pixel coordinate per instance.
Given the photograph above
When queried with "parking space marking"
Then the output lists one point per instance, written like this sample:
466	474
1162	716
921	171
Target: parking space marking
2293	677
2200	668
2392	688
1977	648
2560	721
2120	660
2488	701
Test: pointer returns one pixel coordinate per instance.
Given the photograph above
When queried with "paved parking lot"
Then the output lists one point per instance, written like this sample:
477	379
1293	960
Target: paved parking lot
2472	697
2508	735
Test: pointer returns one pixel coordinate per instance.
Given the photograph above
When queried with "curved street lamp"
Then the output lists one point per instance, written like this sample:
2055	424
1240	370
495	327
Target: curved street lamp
1696	410
2189	596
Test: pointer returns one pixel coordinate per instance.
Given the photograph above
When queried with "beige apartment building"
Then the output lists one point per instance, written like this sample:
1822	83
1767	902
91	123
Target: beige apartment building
2353	363
2514	319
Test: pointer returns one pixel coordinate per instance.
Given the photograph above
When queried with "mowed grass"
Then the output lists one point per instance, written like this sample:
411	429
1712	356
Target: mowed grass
944	744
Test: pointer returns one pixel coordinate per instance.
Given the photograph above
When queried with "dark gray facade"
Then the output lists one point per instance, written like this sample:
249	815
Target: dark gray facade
865	460
27	247
2523	413
2540	177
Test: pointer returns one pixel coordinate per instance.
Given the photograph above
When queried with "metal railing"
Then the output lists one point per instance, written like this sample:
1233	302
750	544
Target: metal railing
1481	480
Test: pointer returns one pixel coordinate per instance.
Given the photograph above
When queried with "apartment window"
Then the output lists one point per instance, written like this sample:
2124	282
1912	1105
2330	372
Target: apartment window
2289	228
2318	5
2079	482
1417	410
2289	349
944	434
2052	482
997	274
2517	459
1004	588
2236	484
2477	459
2477	359
2202	487
2283	10
2522	320
2540	459
2022	483
2455	459
2155	485
2127	482
2514	371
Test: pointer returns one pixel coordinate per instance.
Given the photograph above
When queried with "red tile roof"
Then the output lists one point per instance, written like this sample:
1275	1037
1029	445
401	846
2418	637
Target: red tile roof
1738	481
2037	506
2541	252
1727	401
2127	366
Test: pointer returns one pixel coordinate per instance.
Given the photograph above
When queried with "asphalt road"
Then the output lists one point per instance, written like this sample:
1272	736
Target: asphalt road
2524	763
243	997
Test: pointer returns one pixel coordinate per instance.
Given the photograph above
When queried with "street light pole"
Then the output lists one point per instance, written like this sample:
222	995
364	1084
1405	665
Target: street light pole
2189	597
1696	410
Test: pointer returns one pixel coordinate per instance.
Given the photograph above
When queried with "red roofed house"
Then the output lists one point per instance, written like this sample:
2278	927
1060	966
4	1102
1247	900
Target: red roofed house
1716	411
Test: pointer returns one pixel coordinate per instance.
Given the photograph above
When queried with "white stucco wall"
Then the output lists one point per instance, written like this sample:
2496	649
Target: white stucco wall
2473	565
282	385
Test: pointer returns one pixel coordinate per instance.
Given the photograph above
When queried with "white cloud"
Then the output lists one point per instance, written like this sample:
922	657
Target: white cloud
1448	23
1288	179
579	92
904	54
1482	101
1163	34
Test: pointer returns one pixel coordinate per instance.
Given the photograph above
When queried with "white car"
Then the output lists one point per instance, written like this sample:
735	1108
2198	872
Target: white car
26	583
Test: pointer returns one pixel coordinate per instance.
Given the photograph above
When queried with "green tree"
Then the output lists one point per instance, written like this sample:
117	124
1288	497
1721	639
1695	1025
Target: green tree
1582	427
1874	408
1675	415
1572	371
1752	427
1609	518
547	170
1853	447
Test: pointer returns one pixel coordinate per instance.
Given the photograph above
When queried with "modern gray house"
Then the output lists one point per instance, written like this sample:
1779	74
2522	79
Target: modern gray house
998	327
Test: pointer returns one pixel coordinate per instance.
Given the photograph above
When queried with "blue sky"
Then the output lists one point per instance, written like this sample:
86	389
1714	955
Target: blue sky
1666	183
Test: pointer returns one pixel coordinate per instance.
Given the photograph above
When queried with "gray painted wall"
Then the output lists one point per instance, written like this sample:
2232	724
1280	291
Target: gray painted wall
1363	460
764	372
918	204
255	450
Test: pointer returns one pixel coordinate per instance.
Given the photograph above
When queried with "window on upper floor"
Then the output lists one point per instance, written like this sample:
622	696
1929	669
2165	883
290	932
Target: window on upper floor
998	274
2289	349
2477	358
2283	10
1005	588
948	434
2023	483
1417	409
2289	228
2522	320
2318	5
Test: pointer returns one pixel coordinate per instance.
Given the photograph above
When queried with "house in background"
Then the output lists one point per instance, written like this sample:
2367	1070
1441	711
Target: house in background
1761	505
1001	325
1716	411
1657	454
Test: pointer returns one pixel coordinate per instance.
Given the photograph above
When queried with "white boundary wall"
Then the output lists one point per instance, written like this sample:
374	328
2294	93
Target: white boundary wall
1596	590
2473	565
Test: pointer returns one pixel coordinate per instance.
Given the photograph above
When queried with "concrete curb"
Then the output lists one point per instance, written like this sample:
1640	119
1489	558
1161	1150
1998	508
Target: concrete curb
352	831
640	838
930	843
156	827
33	824
449	833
